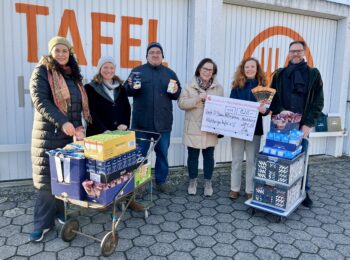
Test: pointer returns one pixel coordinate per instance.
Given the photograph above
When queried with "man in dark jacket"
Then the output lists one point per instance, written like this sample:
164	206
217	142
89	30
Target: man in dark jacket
299	90
152	107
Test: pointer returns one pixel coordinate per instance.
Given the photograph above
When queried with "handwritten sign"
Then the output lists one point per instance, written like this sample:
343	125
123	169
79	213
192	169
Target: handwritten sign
230	117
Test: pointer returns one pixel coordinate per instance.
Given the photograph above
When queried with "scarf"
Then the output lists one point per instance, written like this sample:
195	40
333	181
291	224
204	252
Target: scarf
111	89
61	95
294	77
110	86
204	85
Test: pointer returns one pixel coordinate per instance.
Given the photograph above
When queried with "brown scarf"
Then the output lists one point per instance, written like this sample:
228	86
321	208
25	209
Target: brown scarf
204	85
61	95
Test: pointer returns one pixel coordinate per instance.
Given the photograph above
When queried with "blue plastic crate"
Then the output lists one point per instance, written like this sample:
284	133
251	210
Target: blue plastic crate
67	174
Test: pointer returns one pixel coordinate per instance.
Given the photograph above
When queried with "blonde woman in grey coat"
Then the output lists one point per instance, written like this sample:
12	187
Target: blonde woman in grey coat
192	100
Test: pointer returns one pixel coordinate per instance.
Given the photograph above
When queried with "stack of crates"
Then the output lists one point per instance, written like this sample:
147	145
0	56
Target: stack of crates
277	181
279	170
111	158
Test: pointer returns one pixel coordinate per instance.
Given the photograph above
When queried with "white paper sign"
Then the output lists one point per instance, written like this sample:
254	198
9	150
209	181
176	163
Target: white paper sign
230	117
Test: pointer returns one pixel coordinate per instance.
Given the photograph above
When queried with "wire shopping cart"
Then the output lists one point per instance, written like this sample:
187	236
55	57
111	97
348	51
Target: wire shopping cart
123	197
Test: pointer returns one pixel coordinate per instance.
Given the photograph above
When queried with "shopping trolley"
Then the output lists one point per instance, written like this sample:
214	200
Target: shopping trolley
123	198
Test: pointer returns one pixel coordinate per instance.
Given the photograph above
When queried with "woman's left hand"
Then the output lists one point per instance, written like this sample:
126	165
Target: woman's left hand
122	127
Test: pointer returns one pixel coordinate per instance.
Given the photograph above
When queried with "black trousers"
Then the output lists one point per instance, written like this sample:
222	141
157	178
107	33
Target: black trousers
46	208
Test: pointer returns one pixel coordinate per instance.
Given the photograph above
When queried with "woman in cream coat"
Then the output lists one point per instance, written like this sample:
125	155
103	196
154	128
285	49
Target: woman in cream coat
192	100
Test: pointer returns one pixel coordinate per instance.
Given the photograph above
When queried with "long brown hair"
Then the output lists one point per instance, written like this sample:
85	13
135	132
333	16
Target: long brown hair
240	78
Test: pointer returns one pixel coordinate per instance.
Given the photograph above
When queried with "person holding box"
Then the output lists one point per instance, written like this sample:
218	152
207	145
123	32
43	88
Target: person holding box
109	104
249	74
153	88
299	89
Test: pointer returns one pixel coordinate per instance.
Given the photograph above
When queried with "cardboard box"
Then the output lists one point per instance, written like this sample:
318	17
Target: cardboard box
107	196
106	178
334	123
281	145
106	171
67	175
106	146
286	127
142	174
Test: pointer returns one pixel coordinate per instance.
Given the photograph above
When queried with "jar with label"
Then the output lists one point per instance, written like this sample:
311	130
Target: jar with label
171	86
136	80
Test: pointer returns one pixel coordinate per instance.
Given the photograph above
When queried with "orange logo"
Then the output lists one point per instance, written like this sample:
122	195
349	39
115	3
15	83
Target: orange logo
267	33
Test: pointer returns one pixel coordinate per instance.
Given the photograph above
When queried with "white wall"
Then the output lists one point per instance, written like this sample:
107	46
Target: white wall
16	112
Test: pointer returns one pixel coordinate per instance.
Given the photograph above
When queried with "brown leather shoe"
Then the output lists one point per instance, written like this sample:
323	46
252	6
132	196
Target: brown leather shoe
248	196
135	206
233	194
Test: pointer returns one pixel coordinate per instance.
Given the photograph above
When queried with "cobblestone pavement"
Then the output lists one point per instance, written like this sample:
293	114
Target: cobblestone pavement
194	227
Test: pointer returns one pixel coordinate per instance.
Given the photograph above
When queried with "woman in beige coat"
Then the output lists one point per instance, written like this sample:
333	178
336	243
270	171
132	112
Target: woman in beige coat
192	100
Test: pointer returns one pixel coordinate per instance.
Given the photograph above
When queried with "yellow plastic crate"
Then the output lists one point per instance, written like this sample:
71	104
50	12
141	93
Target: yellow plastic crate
108	145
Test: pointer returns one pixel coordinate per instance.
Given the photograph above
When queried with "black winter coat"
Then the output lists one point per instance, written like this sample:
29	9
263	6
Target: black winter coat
152	104
106	114
48	120
314	99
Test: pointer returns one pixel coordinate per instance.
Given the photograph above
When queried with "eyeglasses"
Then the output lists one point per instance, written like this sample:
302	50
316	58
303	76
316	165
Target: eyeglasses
296	51
154	52
207	70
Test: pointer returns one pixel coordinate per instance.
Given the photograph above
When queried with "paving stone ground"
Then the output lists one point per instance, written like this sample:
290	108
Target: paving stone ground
180	226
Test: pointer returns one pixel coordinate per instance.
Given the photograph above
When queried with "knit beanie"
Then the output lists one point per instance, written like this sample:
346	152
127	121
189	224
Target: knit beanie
60	40
104	60
155	45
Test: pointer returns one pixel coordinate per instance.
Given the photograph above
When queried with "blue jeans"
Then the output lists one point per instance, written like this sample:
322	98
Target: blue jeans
208	162
305	147
161	150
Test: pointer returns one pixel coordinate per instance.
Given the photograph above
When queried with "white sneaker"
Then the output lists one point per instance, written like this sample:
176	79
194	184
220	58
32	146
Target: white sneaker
192	187
208	189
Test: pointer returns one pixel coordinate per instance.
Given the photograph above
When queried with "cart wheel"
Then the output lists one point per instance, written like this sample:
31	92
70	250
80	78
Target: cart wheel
108	245
146	213
123	206
280	219
67	231
253	212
